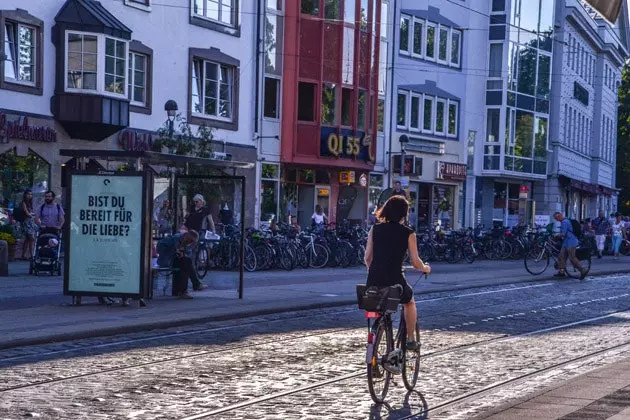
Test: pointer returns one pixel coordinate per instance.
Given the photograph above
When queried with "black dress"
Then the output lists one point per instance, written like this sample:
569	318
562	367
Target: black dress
389	245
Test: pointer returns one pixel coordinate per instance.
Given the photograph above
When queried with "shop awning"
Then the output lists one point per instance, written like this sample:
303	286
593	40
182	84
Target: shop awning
154	158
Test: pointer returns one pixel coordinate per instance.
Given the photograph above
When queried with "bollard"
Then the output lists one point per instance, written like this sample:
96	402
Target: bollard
4	259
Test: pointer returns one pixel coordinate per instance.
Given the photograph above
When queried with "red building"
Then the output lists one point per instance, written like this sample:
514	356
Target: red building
329	106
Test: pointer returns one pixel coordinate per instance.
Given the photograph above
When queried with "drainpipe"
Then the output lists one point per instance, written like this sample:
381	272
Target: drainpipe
257	124
391	94
257	108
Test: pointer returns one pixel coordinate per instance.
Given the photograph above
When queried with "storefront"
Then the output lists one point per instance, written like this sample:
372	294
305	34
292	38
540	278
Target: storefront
28	150
505	202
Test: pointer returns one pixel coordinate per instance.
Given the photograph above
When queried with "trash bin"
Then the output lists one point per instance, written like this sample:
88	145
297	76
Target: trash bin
4	259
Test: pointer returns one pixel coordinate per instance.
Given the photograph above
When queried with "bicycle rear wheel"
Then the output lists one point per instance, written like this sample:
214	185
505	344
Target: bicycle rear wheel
411	366
573	272
379	378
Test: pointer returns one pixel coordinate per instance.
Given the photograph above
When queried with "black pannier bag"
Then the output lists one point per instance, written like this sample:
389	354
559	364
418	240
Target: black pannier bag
374	299
583	254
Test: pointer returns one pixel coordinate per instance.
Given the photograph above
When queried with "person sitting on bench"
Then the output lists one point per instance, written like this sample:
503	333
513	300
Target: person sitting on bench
176	252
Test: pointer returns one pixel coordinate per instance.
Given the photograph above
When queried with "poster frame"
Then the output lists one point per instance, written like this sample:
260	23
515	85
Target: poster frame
145	243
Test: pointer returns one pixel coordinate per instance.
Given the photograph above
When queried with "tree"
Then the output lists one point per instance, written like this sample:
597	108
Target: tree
623	141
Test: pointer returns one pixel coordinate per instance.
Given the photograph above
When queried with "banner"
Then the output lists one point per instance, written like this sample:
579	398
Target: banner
104	244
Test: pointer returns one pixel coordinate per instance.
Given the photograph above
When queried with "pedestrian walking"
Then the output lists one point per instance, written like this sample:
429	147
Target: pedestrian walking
618	234
26	216
601	227
398	190
199	217
50	216
569	245
319	217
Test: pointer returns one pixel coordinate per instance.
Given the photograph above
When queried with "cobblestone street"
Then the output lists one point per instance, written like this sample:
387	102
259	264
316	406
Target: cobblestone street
310	364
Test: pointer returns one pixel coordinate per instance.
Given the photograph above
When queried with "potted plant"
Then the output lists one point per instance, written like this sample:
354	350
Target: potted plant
7	234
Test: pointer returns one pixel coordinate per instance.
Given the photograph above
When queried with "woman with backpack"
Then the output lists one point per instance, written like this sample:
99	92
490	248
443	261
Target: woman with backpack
26	216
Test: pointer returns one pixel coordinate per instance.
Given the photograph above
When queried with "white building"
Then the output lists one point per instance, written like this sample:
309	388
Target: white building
82	74
551	98
438	94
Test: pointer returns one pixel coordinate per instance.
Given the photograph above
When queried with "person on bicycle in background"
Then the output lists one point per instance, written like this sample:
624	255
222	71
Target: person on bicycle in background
388	241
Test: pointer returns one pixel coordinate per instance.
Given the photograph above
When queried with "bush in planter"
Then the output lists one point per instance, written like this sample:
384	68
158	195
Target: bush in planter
7	237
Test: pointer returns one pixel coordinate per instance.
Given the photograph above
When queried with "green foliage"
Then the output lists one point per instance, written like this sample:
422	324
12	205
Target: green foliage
184	140
623	141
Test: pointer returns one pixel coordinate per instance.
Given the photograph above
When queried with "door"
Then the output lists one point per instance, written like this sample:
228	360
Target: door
306	204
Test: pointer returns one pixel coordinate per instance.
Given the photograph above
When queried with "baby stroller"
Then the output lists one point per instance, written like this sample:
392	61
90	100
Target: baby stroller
47	251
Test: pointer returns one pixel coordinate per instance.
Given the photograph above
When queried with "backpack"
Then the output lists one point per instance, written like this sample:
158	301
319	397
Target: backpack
576	228
165	249
41	211
18	214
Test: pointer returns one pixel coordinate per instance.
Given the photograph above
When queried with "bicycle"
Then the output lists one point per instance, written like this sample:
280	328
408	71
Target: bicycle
544	249
387	355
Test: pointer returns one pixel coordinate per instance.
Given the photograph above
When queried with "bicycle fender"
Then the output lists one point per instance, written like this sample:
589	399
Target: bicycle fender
369	353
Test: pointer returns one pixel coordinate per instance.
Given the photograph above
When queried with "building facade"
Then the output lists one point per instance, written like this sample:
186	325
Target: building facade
316	128
436	111
550	112
81	74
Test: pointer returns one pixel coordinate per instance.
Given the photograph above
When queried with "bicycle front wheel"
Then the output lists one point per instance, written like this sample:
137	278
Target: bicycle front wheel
536	261
379	378
411	359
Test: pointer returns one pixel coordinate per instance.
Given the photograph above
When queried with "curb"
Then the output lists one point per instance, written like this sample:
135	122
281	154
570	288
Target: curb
129	329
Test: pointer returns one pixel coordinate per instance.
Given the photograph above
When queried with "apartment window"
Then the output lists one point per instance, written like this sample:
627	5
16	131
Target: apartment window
139	77
384	14
498	5
222	11
306	101
401	111
440	110
349	11
414	118
346	106
404	34
452	118
273	44
566	123
496	60
141	4
329	102
347	64
363	14
213	91
382	68
271	106
274	4
418	33
21	42
96	63
380	116
332	9
20	51
361	109
430	42
456	41
427	124
443	45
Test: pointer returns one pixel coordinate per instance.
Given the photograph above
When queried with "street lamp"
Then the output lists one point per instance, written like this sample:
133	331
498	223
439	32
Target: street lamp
171	111
403	142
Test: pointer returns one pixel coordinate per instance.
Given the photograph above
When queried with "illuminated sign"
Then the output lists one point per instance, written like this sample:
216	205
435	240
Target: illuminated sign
322	192
347	144
347	177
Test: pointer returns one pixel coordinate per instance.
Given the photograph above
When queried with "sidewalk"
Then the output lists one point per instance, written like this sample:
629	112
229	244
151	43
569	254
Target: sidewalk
601	394
33	309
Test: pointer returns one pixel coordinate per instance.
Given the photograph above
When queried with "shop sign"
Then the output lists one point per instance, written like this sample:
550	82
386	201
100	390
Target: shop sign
135	141
20	129
452	171
106	247
363	180
541	220
347	177
346	144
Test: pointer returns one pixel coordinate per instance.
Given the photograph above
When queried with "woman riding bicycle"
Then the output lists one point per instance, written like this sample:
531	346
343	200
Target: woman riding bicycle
388	241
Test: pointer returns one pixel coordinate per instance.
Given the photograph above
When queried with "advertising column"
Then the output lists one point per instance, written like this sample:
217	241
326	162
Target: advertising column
105	250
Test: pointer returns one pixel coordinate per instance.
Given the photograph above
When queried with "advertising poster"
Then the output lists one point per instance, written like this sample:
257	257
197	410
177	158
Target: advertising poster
105	234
